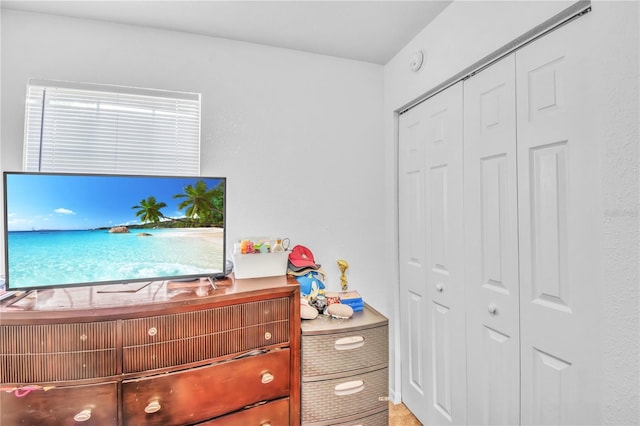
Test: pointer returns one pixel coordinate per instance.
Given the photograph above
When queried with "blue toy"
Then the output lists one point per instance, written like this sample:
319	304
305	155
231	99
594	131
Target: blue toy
310	283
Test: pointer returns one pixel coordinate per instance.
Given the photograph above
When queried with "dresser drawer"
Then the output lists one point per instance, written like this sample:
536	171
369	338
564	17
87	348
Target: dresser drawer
326	401
328	354
57	352
89	405
199	394
275	413
171	340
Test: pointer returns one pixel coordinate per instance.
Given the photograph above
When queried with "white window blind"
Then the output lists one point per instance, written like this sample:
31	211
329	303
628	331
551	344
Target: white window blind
87	128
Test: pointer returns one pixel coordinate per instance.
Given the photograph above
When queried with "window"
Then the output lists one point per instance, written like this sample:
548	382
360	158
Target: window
89	128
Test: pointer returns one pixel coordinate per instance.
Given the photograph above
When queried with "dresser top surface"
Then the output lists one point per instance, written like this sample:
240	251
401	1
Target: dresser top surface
324	324
117	301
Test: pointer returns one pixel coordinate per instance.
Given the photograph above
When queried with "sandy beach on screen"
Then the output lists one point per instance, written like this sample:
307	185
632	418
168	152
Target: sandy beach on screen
216	233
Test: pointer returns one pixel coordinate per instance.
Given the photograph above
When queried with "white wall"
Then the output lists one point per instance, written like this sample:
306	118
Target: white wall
298	135
615	41
465	33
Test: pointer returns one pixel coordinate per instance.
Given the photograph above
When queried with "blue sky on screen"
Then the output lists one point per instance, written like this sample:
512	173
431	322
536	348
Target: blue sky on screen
68	202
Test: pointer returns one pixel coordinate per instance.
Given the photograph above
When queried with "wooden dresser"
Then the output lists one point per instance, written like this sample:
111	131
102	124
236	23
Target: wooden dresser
168	354
345	374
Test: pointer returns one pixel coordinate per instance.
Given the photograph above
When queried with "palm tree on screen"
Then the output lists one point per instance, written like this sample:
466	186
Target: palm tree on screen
149	210
201	202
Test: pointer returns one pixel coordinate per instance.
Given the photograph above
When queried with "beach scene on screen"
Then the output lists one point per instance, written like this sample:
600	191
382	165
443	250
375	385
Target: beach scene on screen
73	229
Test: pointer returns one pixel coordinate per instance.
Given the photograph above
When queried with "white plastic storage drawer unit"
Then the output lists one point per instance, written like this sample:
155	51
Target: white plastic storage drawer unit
345	369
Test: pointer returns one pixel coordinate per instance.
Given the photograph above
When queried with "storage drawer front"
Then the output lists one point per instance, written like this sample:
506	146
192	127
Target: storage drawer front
377	419
331	399
171	340
275	413
203	393
57	352
343	352
58	406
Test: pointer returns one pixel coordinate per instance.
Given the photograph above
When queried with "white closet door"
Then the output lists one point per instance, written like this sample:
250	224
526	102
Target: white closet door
431	241
559	222
413	282
491	246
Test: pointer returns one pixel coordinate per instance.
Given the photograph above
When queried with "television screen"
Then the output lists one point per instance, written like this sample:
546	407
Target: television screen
72	229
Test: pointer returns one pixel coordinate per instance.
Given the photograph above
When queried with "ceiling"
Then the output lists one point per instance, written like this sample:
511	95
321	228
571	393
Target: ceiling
370	31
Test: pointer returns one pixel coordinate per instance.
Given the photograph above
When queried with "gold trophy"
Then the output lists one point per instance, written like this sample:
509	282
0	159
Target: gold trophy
343	265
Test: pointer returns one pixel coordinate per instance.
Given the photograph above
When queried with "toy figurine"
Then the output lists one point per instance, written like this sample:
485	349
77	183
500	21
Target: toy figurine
343	265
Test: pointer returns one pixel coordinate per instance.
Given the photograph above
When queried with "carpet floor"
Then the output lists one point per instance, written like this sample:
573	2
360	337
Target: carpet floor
399	415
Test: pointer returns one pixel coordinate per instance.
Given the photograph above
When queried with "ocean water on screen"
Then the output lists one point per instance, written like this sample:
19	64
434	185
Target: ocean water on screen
40	258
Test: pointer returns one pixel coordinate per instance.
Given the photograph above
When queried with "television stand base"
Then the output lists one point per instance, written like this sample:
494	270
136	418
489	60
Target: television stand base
190	283
18	296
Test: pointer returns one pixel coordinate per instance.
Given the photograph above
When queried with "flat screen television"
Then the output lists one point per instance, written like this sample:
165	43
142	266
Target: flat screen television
64	229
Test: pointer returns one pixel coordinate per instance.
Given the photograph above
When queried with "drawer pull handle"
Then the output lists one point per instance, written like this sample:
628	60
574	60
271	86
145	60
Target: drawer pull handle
82	416
265	424
267	336
348	343
152	331
153	407
267	378
349	388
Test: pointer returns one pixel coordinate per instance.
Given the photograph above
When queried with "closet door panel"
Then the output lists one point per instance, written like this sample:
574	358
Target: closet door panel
559	205
491	246
431	260
412	224
446	357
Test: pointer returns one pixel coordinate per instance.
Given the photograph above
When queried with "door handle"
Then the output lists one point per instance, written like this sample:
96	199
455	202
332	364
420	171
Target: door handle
493	309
